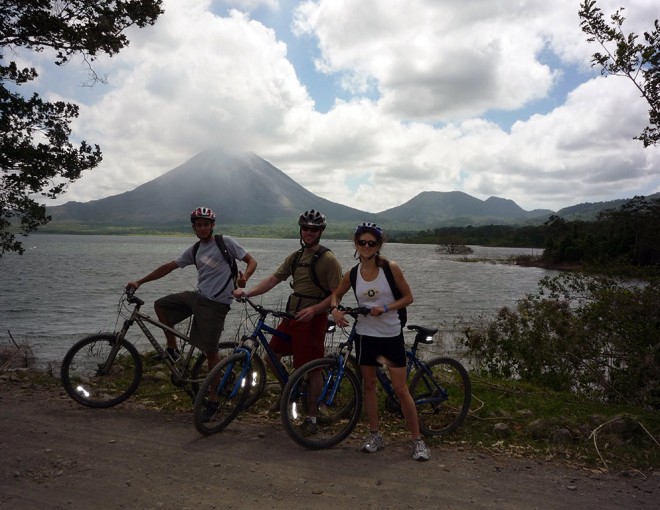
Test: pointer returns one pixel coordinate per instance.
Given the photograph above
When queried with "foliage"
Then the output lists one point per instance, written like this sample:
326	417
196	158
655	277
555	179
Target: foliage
594	335
36	153
625	56
626	235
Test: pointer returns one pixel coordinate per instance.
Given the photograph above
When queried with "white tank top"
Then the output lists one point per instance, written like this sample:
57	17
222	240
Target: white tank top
376	293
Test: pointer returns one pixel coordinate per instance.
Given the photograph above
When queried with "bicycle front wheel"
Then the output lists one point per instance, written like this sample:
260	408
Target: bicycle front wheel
200	367
442	393
319	388
222	394
100	371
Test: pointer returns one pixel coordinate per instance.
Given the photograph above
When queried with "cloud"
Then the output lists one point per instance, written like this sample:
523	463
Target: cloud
421	79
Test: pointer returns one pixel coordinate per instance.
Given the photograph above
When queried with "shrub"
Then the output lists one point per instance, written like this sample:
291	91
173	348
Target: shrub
595	335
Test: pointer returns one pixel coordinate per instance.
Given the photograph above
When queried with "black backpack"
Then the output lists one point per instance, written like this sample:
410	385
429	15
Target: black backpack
312	267
402	312
225	253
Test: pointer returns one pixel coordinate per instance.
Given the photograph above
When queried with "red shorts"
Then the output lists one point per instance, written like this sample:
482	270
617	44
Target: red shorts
307	339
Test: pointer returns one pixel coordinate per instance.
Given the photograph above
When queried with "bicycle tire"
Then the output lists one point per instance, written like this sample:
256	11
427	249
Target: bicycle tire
200	371
337	416
226	382
443	399
93	379
258	381
200	366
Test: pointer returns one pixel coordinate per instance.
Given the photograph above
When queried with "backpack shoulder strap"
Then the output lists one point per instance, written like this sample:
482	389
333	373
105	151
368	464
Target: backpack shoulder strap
194	252
312	267
295	260
353	277
396	292
390	279
219	240
315	278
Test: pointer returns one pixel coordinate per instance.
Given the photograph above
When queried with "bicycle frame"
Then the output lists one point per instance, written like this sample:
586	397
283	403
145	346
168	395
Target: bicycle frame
331	385
259	338
141	319
414	363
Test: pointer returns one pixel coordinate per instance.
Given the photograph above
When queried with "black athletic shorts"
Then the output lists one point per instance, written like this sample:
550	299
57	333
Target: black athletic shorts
370	348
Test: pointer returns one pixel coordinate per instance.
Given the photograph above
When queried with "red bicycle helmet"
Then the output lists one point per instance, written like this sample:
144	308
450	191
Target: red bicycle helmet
202	213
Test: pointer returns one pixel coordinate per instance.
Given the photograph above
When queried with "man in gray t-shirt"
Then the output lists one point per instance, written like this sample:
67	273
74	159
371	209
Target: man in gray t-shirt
210	304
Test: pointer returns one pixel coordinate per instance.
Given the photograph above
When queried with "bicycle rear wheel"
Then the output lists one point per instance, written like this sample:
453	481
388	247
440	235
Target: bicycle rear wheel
338	405
227	384
100	371
442	394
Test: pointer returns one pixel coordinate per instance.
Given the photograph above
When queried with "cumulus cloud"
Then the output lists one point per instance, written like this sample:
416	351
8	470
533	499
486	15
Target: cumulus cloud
422	80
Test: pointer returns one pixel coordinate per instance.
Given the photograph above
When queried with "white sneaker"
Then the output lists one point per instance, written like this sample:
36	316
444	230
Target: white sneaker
420	450
373	443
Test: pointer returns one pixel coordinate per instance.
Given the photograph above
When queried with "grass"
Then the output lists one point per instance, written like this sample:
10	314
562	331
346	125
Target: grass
522	419
506	418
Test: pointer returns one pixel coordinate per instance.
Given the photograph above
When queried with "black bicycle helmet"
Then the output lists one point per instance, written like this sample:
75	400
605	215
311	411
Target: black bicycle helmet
202	213
312	218
372	228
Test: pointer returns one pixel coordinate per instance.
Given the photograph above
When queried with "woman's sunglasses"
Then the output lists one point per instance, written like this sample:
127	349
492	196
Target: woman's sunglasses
371	244
310	229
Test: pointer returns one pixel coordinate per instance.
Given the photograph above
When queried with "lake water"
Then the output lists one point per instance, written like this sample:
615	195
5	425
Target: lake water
68	286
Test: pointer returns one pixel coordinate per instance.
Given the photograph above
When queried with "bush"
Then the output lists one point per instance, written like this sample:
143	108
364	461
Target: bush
594	335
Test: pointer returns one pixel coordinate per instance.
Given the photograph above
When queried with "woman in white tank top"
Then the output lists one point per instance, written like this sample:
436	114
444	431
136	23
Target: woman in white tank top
380	339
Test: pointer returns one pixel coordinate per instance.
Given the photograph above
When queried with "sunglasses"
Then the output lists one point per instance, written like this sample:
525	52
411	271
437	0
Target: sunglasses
371	244
310	229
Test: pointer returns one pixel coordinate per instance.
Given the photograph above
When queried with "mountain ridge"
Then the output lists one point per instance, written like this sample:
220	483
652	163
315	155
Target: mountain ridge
245	189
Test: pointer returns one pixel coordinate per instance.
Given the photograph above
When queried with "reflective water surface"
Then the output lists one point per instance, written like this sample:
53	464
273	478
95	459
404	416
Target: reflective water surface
68	286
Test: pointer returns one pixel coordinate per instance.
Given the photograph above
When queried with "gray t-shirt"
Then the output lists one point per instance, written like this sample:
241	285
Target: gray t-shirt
213	271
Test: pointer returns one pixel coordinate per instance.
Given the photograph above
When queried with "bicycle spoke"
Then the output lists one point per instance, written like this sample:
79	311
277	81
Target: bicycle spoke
314	389
222	394
100	372
442	394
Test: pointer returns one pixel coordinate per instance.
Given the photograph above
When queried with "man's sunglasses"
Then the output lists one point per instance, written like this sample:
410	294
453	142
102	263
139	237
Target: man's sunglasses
310	229
372	244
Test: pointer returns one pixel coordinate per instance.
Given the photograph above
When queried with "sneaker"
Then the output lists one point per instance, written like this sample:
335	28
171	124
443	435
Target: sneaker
209	411
309	428
174	355
373	443
420	450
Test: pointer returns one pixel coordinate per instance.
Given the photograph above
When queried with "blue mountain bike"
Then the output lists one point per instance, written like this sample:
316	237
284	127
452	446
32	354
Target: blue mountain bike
440	387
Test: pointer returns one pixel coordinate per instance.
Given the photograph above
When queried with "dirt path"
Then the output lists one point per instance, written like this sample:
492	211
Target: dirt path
57	454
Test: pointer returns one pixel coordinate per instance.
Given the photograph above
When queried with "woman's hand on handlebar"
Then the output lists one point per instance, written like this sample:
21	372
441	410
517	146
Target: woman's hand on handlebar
338	316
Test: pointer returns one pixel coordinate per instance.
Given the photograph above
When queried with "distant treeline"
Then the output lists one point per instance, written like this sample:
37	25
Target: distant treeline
628	235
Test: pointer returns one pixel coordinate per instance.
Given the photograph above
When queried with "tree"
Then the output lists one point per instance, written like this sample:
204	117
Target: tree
36	153
625	56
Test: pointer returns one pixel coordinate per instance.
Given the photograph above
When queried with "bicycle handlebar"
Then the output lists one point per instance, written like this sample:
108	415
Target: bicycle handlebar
265	311
132	298
354	312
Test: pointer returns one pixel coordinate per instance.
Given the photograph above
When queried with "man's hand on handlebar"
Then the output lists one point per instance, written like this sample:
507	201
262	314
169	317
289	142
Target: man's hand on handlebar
239	294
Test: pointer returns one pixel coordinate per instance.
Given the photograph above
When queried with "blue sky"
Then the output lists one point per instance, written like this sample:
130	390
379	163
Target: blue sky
370	102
